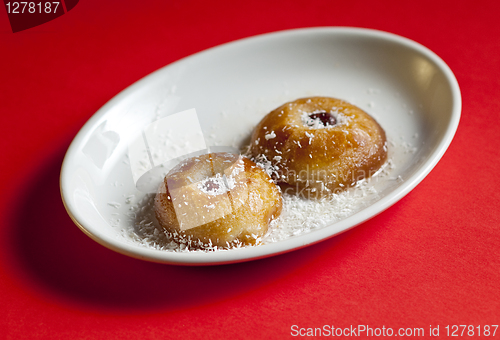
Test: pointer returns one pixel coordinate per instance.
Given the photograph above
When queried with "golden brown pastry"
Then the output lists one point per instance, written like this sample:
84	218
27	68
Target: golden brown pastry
319	145
217	199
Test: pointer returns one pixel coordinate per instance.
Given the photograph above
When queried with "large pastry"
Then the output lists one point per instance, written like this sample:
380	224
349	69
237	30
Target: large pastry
319	146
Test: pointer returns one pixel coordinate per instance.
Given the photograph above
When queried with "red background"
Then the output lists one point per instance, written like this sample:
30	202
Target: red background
431	259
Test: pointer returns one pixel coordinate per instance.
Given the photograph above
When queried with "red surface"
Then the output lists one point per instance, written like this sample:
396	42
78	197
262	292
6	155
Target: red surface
431	259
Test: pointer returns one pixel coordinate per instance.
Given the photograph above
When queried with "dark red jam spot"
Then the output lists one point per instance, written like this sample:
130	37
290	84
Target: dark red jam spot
210	186
325	117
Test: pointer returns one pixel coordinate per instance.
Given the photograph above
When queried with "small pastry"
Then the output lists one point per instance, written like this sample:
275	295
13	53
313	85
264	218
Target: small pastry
217	199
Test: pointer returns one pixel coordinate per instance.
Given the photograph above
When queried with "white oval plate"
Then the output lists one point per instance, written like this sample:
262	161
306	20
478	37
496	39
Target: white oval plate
406	87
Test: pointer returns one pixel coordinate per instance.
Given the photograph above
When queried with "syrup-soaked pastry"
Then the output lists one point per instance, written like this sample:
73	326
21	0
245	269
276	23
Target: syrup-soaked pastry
319	145
217	199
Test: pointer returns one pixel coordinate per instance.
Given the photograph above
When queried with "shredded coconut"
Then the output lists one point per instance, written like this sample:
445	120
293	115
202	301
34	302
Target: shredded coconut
270	135
213	185
300	216
114	204
307	120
